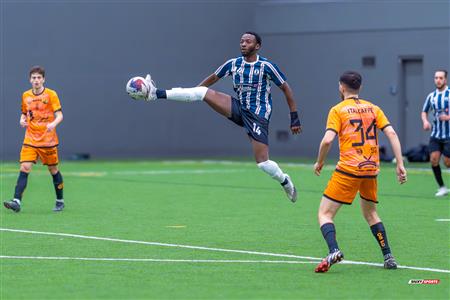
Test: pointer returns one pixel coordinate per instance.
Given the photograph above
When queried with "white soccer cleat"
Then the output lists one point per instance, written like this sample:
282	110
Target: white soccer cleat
442	191
151	88
290	189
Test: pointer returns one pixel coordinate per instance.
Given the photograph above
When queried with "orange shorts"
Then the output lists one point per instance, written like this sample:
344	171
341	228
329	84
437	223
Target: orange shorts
48	156
342	188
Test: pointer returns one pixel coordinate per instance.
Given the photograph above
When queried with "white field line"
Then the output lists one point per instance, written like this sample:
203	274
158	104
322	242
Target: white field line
163	260
442	220
212	249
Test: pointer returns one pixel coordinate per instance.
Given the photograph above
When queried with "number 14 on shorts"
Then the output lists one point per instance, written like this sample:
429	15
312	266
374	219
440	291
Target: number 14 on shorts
256	129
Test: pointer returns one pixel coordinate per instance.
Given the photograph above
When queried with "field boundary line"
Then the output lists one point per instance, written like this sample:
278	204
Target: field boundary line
211	249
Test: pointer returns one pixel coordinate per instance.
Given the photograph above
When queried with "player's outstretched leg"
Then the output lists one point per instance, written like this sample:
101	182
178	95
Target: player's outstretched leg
327	211
271	168
379	232
177	94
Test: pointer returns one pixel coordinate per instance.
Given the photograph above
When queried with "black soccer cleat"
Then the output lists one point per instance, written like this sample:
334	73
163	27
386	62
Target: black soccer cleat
389	262
59	206
12	205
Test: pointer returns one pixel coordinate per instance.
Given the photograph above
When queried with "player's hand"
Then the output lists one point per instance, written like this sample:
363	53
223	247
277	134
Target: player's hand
318	168
426	126
23	123
401	174
50	126
444	117
296	126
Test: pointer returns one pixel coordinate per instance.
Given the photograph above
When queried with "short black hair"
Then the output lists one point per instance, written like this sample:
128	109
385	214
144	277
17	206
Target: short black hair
37	69
352	79
442	70
257	36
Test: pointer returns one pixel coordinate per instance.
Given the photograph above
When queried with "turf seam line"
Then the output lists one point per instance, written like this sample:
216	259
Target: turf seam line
157	259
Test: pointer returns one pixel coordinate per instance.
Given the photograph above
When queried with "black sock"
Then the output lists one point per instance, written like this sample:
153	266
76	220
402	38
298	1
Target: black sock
59	185
329	234
379	233
438	175
161	94
21	185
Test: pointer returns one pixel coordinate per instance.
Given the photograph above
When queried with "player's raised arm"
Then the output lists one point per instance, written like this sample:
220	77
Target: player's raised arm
210	80
397	149
296	126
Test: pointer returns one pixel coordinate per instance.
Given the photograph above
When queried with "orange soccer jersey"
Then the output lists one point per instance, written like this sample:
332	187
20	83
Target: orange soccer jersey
356	122
40	110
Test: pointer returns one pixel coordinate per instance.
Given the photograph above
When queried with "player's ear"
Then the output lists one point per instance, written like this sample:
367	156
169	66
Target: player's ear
258	46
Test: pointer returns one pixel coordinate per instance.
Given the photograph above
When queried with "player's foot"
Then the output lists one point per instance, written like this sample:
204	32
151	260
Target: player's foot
442	191
152	88
13	205
59	206
331	259
389	262
289	188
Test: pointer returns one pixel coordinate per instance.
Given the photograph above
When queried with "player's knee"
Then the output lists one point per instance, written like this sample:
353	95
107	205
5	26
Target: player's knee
53	169
447	162
371	216
25	168
434	160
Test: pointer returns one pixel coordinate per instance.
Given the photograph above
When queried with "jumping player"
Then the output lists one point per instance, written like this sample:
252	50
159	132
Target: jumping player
252	76
438	102
355	121
41	113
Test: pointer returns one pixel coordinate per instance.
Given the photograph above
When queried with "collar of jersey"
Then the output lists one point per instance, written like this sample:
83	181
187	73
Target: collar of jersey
251	63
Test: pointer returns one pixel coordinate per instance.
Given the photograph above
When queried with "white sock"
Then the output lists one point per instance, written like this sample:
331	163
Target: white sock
60	200
17	201
188	94
270	167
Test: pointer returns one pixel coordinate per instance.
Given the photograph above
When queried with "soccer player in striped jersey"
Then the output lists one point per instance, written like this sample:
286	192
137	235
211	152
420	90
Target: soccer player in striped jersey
252	76
438	102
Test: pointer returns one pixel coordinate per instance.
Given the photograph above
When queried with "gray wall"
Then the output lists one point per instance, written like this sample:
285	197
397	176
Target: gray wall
91	49
316	42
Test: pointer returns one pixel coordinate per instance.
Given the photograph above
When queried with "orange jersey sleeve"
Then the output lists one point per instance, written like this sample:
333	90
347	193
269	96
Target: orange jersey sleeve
334	120
24	106
381	119
54	100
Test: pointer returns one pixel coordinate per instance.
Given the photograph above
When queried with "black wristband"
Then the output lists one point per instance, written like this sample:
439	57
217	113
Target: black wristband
295	120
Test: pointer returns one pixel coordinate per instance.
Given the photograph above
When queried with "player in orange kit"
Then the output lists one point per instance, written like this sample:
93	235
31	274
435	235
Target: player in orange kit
355	121
41	113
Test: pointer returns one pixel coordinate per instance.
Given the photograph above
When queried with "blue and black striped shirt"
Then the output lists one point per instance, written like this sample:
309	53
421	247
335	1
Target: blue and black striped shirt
251	82
438	102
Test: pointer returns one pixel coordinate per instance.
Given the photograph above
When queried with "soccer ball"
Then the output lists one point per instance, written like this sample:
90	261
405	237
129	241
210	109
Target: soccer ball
138	88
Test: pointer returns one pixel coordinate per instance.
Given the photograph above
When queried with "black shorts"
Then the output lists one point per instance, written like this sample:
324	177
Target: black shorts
256	127
441	145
